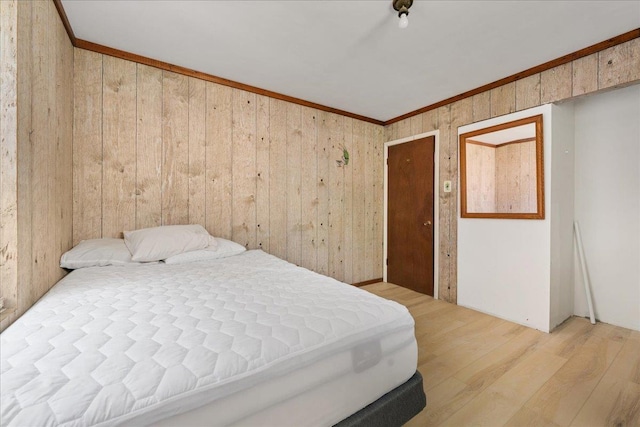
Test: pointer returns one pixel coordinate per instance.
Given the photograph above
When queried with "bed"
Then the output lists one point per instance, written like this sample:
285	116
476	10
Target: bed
245	340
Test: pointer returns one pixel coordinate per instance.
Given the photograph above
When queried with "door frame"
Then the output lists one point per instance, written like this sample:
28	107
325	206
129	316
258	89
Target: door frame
436	200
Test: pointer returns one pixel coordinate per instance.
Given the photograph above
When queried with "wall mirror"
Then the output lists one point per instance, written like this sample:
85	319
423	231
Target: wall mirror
501	171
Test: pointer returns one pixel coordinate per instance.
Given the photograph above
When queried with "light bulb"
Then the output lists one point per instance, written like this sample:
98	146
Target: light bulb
404	21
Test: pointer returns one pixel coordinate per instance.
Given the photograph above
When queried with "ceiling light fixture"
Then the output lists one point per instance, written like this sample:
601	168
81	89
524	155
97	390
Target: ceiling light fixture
402	6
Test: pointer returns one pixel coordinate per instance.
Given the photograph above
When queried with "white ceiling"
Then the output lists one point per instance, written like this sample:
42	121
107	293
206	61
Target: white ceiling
351	55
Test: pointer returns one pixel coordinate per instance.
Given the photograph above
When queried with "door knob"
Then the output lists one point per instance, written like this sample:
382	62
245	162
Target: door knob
427	223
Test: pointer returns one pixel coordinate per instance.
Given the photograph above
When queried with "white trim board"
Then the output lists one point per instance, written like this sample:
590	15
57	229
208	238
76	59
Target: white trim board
436	200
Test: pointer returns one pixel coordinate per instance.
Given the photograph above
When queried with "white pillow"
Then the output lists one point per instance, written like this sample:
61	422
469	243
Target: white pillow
225	248
156	243
97	253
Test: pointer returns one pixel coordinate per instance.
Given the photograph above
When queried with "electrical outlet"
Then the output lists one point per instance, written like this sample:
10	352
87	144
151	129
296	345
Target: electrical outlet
447	186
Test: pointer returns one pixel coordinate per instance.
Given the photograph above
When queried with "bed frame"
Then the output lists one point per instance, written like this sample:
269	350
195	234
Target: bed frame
393	409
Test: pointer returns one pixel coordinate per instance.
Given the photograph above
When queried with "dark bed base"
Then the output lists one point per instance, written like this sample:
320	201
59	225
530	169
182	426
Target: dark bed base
393	409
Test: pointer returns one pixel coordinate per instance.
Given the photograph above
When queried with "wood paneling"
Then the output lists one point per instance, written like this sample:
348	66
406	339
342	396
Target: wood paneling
347	211
585	75
43	140
371	203
87	161
148	147
219	156
481	177
336	197
64	149
197	152
175	147
324	148
528	92
446	200
9	97
416	124
25	156
515	177
358	163
391	132
119	149
36	119
244	168
404	128
278	179
378	191
461	113
309	190
65	21
263	143
430	121
555	84
619	65
294	181
481	106
155	147
503	100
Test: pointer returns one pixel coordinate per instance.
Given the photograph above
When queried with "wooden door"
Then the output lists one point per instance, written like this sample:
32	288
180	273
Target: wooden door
410	215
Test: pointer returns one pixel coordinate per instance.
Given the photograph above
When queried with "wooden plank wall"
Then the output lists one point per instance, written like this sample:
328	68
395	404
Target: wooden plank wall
614	67
515	177
9	152
153	147
481	178
39	142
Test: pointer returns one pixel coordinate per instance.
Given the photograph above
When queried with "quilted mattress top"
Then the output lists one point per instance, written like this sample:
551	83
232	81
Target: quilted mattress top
114	345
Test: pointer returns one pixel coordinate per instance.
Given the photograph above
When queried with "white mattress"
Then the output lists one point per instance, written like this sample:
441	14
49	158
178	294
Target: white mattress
234	340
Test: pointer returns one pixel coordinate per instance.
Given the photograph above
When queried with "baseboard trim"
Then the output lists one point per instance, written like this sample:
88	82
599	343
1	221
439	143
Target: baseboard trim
368	282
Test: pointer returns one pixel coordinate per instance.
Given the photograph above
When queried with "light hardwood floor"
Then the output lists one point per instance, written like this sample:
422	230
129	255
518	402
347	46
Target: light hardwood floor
479	370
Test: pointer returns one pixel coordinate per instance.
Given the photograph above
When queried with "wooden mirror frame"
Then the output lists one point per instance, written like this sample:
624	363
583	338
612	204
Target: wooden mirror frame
539	214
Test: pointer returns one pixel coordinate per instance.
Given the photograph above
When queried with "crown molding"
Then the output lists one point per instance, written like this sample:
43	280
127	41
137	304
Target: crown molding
83	44
622	38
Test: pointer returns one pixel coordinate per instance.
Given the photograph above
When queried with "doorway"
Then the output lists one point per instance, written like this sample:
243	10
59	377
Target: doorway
410	213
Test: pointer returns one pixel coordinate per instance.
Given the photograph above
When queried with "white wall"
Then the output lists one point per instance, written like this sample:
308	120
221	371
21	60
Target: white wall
607	203
561	212
504	265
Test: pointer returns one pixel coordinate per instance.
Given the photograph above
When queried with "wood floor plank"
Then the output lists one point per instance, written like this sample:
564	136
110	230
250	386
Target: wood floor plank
442	342
497	362
446	399
615	333
570	337
525	417
414	301
430	309
424	356
615	402
509	329
481	370
627	364
488	409
527	377
438	321
434	372
423	308
378	287
563	395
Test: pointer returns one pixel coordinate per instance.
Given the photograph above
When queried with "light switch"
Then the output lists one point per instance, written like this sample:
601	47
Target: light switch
447	186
